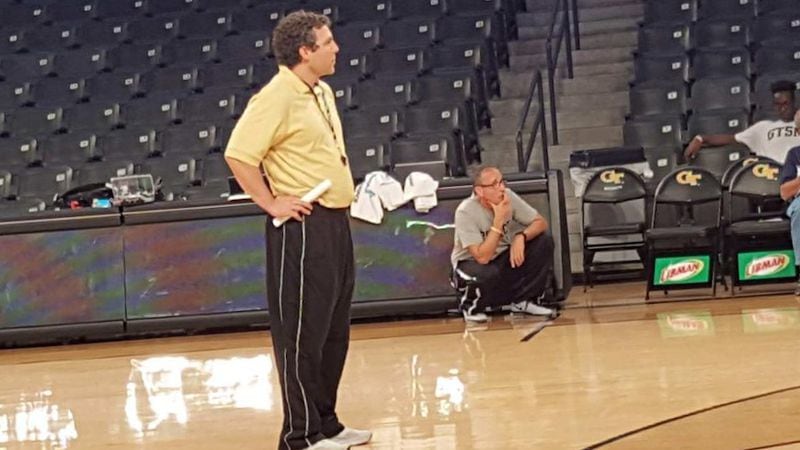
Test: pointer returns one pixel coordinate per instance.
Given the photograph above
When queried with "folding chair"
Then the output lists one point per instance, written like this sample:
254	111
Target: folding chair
682	253
606	193
758	240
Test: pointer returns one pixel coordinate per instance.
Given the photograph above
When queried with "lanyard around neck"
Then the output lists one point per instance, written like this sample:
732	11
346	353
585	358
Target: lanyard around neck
328	116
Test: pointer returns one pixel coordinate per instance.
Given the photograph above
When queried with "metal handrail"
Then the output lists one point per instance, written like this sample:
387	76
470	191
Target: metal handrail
553	53
576	27
524	151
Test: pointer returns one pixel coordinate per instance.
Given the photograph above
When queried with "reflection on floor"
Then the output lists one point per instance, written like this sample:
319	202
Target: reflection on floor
611	372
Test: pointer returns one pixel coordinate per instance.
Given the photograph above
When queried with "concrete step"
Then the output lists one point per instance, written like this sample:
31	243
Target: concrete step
593	85
506	108
591	118
603	55
498	143
520	63
527	63
590	42
611	39
585	15
501	150
592	101
526	47
566	120
625	67
609	25
559	154
547	5
590	136
536	18
516	84
505	161
512	107
586	29
523	78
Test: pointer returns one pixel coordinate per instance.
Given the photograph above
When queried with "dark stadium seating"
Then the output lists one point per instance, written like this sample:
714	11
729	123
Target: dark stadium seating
84	83
733	52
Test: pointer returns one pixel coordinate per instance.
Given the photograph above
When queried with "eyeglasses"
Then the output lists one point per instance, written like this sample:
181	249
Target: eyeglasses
495	184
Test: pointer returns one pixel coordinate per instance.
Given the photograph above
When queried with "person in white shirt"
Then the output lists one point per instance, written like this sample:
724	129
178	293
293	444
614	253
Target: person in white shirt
501	253
770	138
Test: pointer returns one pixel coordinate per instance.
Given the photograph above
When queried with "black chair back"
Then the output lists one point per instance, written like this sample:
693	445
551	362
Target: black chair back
760	184
614	185
689	186
734	167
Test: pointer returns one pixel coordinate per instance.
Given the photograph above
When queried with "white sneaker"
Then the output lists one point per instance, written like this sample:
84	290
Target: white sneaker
530	308
328	444
478	317
351	436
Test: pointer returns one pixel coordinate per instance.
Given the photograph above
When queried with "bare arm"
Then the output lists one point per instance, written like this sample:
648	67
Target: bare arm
483	253
251	180
716	140
535	228
789	189
708	140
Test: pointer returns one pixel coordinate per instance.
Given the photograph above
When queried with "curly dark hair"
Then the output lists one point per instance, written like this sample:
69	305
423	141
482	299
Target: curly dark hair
783	86
294	31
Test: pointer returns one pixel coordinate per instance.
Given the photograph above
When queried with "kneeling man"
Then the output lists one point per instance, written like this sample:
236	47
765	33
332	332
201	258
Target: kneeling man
502	254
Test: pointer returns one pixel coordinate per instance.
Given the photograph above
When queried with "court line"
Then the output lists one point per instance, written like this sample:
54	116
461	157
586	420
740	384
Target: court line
689	414
779	444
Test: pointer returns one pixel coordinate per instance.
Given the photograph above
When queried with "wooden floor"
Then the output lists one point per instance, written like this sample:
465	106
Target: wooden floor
611	372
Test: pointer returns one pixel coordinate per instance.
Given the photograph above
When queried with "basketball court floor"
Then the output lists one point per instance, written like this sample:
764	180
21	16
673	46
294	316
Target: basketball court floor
611	372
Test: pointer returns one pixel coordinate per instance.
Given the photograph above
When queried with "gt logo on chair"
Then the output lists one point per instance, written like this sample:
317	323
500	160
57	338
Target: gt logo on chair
765	171
612	176
688	177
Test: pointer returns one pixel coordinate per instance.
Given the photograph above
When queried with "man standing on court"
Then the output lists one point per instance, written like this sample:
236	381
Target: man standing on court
292	130
502	254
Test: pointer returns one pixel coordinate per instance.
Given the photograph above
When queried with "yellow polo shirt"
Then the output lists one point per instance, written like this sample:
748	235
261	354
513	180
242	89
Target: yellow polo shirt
296	134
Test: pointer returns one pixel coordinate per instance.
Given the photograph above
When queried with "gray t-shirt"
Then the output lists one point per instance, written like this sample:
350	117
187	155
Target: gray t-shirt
473	223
